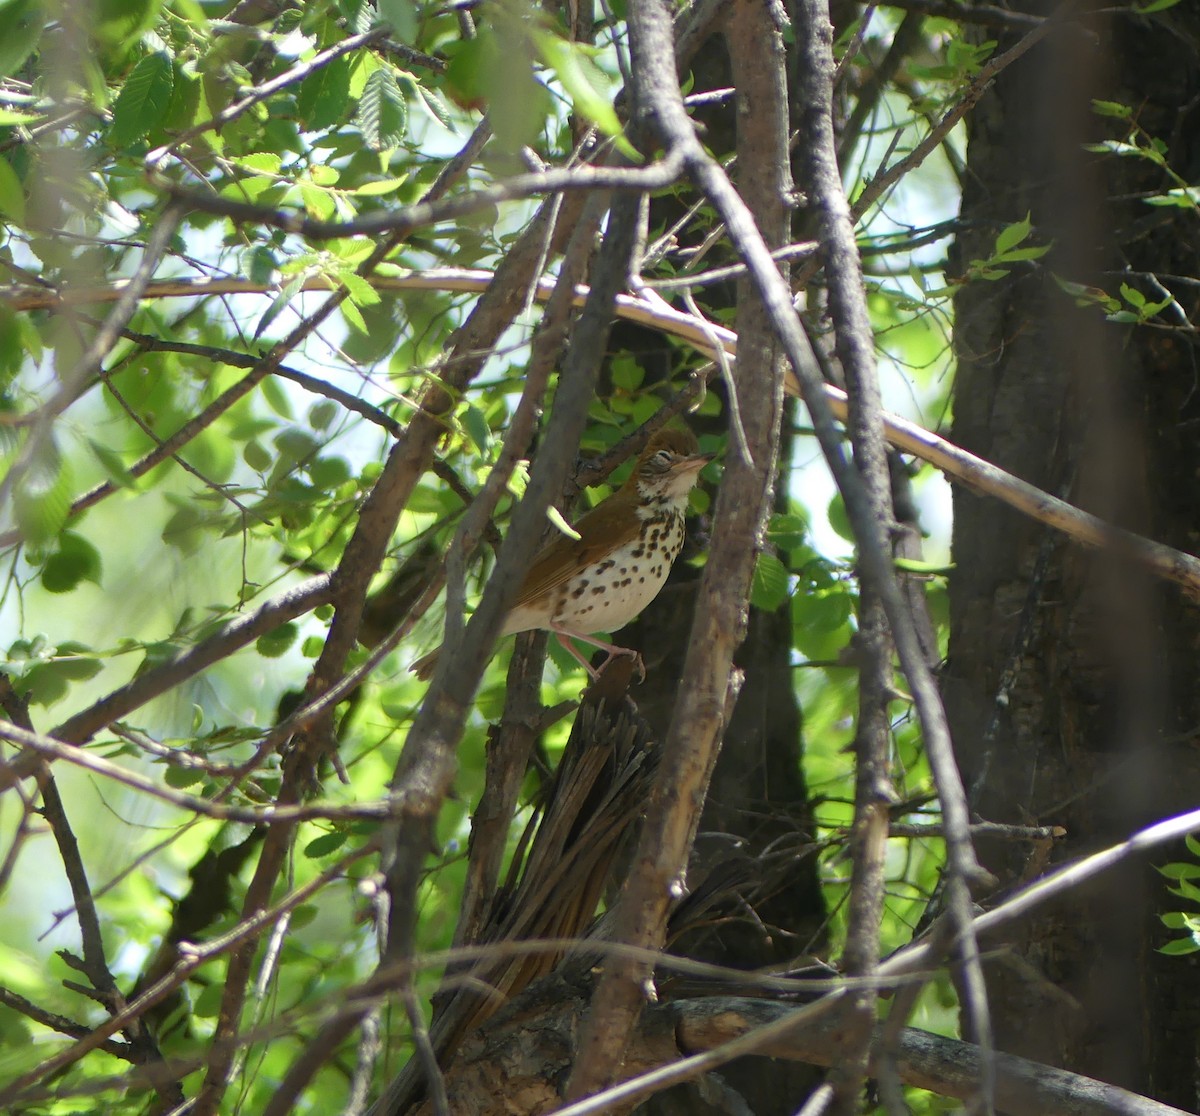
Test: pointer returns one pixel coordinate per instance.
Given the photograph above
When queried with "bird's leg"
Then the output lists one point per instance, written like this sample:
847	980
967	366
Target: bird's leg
565	637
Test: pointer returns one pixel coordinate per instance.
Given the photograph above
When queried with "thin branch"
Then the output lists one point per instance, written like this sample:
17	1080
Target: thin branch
984	15
701	709
403	220
975	473
888	177
159	679
49	748
247	930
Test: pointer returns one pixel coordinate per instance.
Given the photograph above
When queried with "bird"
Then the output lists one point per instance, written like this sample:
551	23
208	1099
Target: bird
627	544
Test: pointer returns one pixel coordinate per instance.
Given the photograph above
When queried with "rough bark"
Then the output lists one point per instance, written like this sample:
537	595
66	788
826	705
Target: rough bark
1071	679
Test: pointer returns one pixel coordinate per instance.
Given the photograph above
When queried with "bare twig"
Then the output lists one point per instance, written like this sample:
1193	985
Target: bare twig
403	220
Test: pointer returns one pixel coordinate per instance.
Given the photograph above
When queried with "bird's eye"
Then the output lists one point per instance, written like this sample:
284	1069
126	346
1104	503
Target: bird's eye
663	457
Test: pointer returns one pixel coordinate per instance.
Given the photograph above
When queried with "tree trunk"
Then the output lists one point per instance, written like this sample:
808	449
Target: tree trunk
1072	681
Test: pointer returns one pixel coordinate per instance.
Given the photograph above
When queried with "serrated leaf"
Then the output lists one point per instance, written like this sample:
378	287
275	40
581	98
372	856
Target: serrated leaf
361	291
769	589
318	203
354	317
143	99
382	115
436	107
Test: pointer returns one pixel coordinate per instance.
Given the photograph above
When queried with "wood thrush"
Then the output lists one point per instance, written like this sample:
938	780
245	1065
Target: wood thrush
626	546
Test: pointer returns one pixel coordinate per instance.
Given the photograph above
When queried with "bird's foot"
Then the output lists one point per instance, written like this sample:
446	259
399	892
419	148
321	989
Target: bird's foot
613	650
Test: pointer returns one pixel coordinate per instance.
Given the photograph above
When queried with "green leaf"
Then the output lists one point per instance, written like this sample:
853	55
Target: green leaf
21	25
287	294
183	777
257	456
324	845
1180	947
401	15
475	424
277	642
1182	197
556	517
1012	235
354	317
42	497
1112	108
324	96
1180	871
787	531
583	81
1133	296
322	414
112	464
75	661
74	561
119	23
143	100
769	589
379	188
913	566
838	519
382	112
12	193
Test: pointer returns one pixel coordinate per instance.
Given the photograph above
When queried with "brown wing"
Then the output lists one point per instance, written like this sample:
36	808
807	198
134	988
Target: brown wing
601	531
